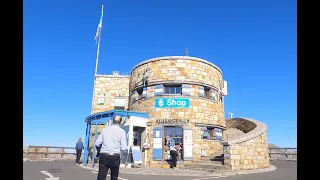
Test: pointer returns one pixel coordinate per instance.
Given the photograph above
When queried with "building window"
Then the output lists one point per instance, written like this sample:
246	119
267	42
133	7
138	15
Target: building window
172	90
208	133
173	135
140	92
207	92
212	133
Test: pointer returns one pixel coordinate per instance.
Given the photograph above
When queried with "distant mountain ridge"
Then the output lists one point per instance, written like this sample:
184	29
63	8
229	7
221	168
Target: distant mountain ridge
270	145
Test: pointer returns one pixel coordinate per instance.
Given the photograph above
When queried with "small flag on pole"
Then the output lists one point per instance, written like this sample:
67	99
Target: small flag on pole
98	33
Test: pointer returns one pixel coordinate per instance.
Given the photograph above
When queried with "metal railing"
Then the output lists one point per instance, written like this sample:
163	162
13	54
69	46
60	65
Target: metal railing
274	153
46	153
283	153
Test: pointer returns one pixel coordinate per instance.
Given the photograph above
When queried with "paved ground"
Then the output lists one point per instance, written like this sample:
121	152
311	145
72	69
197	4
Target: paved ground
67	170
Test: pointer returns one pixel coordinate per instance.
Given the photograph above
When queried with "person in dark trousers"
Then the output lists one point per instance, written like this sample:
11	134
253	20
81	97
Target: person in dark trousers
174	155
112	140
79	147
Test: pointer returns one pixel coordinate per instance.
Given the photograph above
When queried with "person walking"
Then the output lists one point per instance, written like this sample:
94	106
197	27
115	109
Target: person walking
79	147
112	140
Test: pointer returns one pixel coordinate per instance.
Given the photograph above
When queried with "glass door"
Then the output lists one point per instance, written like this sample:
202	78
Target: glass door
172	136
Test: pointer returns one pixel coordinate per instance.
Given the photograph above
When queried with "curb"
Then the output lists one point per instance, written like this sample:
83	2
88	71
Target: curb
269	169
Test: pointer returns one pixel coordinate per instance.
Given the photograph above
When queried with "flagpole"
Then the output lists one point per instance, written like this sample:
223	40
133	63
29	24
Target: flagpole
97	57
97	37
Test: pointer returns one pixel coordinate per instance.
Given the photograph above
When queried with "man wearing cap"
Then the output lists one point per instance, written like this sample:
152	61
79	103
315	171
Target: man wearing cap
112	140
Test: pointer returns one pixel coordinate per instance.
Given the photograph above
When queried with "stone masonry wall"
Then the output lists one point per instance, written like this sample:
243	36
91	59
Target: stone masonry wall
201	110
250	154
250	149
184	68
177	68
109	87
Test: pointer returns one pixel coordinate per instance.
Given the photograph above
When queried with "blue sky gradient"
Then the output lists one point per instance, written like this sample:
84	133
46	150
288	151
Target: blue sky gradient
253	42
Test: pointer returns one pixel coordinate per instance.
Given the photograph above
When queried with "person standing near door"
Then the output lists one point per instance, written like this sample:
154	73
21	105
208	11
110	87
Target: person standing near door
79	147
174	155
113	140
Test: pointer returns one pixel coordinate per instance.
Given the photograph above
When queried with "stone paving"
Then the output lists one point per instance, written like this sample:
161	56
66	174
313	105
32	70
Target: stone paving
180	172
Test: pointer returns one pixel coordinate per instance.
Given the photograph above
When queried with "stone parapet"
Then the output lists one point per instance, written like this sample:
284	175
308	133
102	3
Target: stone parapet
176	68
251	127
250	150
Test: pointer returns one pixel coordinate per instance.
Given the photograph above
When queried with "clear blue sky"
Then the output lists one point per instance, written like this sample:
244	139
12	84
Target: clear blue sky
252	41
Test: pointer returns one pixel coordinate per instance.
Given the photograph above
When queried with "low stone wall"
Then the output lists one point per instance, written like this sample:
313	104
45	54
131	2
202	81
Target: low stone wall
242	124
250	150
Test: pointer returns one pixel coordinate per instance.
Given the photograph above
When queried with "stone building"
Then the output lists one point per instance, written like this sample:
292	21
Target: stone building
184	97
110	92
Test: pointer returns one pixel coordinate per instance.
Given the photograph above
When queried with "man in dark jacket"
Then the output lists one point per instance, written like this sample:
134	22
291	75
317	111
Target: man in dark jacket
79	147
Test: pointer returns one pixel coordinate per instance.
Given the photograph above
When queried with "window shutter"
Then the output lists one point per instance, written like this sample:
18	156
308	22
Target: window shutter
201	91
158	90
157	143
186	89
134	96
218	133
145	92
213	95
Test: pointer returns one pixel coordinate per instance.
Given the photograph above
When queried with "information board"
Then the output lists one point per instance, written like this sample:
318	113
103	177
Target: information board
136	155
226	151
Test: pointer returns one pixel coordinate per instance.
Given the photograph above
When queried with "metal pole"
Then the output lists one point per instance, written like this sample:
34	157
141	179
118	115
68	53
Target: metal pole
94	147
97	58
87	140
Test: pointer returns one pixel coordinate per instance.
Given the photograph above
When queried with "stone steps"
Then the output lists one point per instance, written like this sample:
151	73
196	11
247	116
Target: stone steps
209	167
209	161
216	158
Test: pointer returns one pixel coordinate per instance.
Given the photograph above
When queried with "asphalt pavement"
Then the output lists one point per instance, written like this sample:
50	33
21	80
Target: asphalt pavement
68	170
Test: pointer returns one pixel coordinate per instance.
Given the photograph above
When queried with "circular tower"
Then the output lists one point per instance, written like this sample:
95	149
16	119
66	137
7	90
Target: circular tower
184	97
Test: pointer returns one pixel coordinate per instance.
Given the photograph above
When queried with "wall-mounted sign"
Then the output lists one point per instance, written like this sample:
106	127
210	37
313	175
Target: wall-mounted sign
226	151
172	103
119	101
172	121
100	100
203	153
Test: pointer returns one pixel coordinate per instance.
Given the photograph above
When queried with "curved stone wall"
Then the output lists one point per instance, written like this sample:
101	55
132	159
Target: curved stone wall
177	68
190	72
250	150
195	72
201	110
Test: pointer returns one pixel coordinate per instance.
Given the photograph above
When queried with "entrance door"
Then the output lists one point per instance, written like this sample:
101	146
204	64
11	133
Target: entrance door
172	136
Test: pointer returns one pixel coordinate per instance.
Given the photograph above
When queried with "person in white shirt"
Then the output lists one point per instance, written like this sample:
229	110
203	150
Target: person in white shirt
112	140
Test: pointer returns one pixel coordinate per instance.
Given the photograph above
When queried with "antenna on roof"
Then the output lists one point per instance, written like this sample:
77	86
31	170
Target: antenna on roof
186	51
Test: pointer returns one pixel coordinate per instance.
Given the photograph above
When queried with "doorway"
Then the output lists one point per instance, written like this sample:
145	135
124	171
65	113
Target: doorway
172	136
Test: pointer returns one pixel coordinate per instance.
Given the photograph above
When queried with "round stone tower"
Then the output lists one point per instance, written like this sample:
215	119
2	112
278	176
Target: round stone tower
184	97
